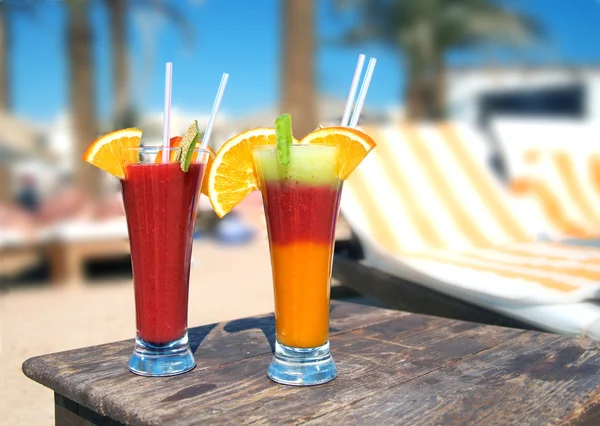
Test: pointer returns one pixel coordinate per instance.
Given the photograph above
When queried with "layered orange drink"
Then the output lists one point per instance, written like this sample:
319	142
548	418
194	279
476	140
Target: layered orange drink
301	184
301	202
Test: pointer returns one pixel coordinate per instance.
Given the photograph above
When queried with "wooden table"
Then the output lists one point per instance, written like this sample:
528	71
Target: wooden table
395	368
67	258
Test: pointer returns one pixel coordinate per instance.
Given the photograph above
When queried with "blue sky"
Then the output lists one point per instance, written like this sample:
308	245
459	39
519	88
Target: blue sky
241	37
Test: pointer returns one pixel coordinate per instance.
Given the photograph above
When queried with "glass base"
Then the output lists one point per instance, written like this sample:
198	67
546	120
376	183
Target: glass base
169	359
302	366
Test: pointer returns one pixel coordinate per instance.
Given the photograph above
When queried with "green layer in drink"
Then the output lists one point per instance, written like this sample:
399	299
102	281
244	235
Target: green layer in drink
308	164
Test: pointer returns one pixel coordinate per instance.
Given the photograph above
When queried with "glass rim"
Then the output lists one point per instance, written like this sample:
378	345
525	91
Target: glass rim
159	148
294	145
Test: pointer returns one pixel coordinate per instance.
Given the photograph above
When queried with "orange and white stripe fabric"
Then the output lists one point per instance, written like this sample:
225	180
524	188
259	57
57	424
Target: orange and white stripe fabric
422	188
557	164
426	208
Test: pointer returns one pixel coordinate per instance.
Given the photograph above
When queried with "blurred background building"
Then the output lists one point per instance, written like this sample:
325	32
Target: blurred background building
478	93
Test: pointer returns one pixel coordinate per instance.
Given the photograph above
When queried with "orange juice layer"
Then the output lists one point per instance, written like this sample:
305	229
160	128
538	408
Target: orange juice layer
301	273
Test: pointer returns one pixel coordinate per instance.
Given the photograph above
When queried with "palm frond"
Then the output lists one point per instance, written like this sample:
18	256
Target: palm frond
439	24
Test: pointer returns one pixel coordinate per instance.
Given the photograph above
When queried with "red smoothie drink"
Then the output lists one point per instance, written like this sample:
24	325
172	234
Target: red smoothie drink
160	204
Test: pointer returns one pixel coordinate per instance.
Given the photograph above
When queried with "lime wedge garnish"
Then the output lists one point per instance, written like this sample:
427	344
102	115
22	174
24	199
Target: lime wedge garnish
187	145
285	138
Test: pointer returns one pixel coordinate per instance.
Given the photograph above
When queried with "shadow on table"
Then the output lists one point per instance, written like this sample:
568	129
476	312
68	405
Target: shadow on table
198	334
265	324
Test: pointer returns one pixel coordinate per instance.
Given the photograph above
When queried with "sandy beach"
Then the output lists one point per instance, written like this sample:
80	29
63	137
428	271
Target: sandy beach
227	282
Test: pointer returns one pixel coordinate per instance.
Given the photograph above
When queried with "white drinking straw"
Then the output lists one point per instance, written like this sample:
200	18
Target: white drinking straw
363	92
353	87
167	113
215	111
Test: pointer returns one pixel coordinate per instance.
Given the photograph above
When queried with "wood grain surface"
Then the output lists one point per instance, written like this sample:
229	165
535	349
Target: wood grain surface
394	368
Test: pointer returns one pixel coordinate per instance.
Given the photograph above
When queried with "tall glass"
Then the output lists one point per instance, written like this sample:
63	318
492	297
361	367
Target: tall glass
301	203
160	205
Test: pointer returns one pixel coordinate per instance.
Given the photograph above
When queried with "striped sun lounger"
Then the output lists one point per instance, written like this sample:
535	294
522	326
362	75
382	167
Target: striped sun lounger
426	208
555	164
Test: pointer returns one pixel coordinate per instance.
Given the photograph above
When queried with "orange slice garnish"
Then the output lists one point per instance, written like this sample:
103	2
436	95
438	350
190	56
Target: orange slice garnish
231	177
173	143
354	146
107	153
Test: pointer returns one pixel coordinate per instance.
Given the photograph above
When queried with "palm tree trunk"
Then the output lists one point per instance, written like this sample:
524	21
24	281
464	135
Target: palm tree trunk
439	76
413	98
120	63
298	82
413	91
4	54
82	96
5	175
